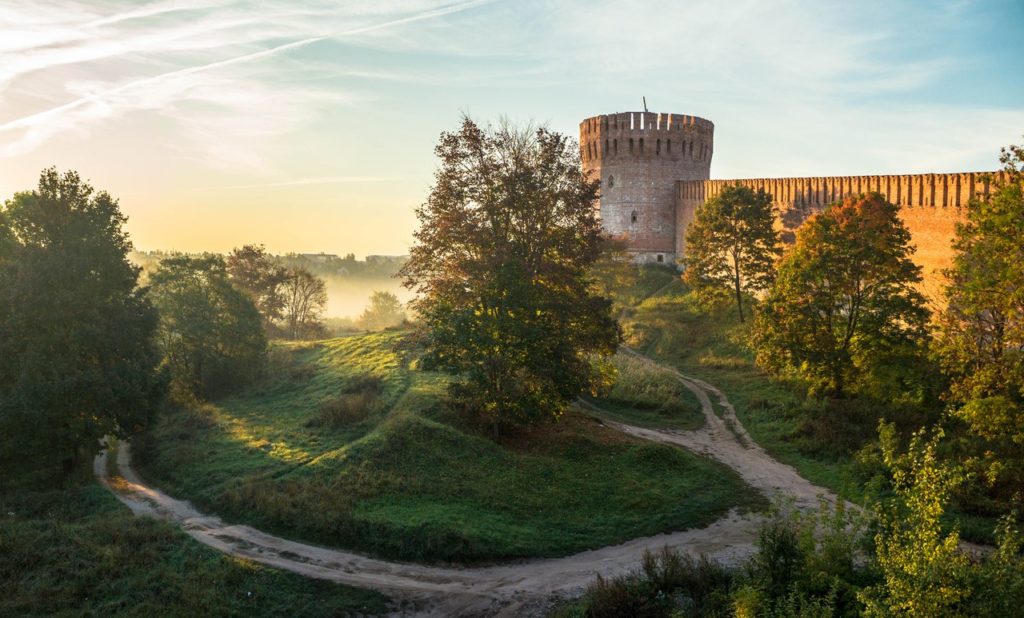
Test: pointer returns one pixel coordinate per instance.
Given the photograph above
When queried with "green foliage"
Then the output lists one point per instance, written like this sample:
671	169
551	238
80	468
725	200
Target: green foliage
384	311
647	395
501	264
732	244
844	312
210	332
804	567
79	552
924	573
76	335
981	340
252	270
406	477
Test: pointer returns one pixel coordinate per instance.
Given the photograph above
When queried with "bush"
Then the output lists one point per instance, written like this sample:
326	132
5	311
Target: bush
353	405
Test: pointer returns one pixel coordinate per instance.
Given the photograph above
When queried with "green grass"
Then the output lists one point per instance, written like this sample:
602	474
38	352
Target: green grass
649	396
709	344
406	478
79	552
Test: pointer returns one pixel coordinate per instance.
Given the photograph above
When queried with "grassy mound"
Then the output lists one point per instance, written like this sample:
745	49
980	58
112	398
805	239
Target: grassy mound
347	446
649	396
79	552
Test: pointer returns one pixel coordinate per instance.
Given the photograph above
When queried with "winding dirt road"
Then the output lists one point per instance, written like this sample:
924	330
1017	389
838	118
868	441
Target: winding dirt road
516	589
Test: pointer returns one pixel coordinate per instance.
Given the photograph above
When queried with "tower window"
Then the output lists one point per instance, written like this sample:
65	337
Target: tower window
611	181
641	144
615	146
661	258
631	145
632	217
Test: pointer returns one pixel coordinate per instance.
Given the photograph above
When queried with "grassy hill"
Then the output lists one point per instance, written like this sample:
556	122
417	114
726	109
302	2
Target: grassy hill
79	552
347	444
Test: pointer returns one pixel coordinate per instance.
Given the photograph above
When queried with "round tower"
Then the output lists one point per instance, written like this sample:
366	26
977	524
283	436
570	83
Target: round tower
638	157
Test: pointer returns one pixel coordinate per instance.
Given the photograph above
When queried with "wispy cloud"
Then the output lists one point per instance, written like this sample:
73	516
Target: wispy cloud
222	100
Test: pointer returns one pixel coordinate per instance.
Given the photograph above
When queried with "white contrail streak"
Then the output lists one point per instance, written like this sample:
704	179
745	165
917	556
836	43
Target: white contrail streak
36	118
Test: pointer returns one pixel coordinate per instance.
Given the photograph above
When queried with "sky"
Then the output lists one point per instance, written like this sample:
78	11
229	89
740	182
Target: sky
310	126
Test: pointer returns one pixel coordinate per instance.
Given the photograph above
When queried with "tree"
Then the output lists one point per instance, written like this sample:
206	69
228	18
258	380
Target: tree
251	270
76	334
501	264
981	338
210	332
733	243
844	307
384	311
305	295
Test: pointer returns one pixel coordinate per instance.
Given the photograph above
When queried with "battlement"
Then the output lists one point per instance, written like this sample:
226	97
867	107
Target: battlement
953	190
646	134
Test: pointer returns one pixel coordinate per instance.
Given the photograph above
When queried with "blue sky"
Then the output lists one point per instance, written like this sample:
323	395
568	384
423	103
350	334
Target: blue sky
310	126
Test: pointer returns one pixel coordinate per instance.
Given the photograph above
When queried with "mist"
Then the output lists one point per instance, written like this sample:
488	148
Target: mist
348	297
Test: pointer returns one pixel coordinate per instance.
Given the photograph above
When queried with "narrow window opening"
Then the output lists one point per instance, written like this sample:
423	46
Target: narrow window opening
631	145
641	145
615	146
632	217
668	145
606	147
661	258
658	147
611	181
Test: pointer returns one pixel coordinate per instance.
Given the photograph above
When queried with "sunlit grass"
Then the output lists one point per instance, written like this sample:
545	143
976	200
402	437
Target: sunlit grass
407	477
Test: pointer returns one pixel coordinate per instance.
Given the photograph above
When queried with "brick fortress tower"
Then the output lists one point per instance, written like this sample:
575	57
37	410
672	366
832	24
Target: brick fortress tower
639	157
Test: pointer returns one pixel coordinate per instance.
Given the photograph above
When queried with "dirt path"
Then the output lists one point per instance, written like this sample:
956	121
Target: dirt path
517	589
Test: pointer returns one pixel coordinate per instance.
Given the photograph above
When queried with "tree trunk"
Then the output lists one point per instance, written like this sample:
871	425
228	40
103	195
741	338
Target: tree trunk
739	294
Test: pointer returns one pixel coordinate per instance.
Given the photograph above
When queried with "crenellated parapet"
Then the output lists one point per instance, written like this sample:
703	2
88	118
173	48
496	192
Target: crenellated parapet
646	135
916	190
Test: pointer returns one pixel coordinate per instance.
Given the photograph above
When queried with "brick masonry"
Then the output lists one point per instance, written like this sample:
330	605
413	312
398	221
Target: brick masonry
655	172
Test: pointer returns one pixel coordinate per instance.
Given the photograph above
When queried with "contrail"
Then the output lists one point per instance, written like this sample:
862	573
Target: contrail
32	119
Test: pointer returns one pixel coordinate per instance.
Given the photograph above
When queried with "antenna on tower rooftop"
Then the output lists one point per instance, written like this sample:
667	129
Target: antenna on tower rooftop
645	103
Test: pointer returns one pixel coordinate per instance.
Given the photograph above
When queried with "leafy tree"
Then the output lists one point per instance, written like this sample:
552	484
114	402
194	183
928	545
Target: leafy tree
924	573
76	334
844	307
384	311
305	295
210	331
501	264
252	270
981	340
732	243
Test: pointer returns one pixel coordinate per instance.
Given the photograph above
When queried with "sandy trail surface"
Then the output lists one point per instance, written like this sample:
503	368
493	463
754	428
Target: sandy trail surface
514	589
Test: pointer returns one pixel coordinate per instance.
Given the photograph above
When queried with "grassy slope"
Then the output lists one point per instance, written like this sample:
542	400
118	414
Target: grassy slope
673	328
78	551
405	479
649	397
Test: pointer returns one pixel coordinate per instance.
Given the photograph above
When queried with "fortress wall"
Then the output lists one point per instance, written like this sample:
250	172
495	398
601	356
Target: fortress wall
639	157
930	205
